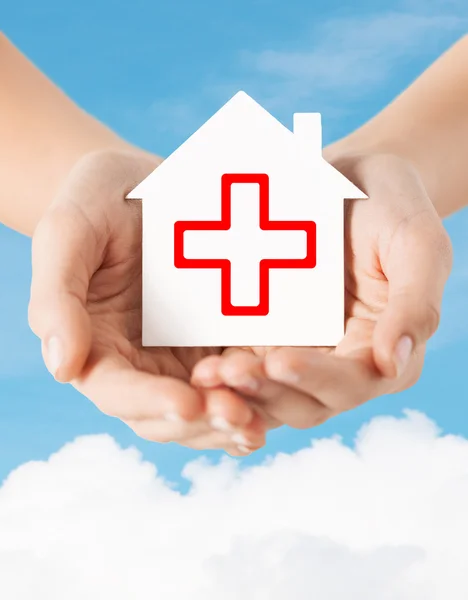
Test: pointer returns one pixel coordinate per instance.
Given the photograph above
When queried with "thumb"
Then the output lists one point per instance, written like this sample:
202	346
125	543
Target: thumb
417	266
62	252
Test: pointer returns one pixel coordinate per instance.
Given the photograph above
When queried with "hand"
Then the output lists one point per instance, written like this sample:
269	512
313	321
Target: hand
86	308
398	259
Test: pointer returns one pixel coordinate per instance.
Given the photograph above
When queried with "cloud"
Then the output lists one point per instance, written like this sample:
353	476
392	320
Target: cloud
386	519
351	55
329	64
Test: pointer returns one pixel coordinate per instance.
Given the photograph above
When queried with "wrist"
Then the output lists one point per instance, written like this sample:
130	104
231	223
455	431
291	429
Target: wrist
359	147
108	156
113	171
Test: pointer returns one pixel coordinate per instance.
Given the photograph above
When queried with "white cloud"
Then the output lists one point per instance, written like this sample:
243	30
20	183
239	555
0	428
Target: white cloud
328	65
386	519
350	55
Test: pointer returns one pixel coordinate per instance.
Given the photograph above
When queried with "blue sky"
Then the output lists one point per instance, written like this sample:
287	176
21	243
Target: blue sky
154	71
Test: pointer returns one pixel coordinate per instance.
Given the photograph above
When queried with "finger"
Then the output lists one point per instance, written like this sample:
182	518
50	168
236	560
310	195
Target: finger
120	390
236	452
338	383
205	444
205	372
243	440
199	435
246	373
62	255
164	431
226	410
231	413
417	267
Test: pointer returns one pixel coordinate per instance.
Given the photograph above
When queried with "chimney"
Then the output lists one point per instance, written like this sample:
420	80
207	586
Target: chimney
307	129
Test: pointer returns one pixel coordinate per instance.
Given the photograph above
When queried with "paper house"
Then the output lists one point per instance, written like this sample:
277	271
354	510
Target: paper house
243	239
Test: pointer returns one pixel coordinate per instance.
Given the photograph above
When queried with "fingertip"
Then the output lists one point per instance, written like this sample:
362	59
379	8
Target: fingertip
186	403
238	451
63	365
65	354
243	371
226	410
279	365
206	372
52	352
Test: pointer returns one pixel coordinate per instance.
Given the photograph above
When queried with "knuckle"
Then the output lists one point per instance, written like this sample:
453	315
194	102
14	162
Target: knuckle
101	160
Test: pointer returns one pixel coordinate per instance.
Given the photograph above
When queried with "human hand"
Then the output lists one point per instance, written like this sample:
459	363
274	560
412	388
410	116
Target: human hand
86	308
398	258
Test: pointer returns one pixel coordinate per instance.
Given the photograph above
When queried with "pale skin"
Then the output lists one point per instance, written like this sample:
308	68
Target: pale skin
64	179
85	302
409	158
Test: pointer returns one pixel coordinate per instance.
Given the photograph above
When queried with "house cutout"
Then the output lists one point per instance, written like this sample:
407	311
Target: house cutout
243	237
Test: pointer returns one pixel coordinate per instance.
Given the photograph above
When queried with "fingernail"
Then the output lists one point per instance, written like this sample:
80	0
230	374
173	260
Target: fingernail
240	440
173	417
245	450
54	354
403	351
249	384
208	380
290	377
221	424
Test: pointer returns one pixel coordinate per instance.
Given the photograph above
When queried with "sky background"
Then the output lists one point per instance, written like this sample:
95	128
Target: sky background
370	505
155	71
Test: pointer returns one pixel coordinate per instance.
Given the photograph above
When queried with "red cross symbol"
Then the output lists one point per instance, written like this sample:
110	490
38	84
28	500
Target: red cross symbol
224	264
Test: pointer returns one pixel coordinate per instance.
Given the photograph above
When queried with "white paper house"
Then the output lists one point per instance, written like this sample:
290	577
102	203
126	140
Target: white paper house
212	270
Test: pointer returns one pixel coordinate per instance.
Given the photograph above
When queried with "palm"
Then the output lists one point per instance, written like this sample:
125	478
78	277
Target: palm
114	301
114	305
386	252
365	284
114	295
375	237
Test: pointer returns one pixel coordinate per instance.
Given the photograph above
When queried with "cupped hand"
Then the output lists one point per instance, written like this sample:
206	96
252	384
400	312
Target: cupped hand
86	308
398	258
